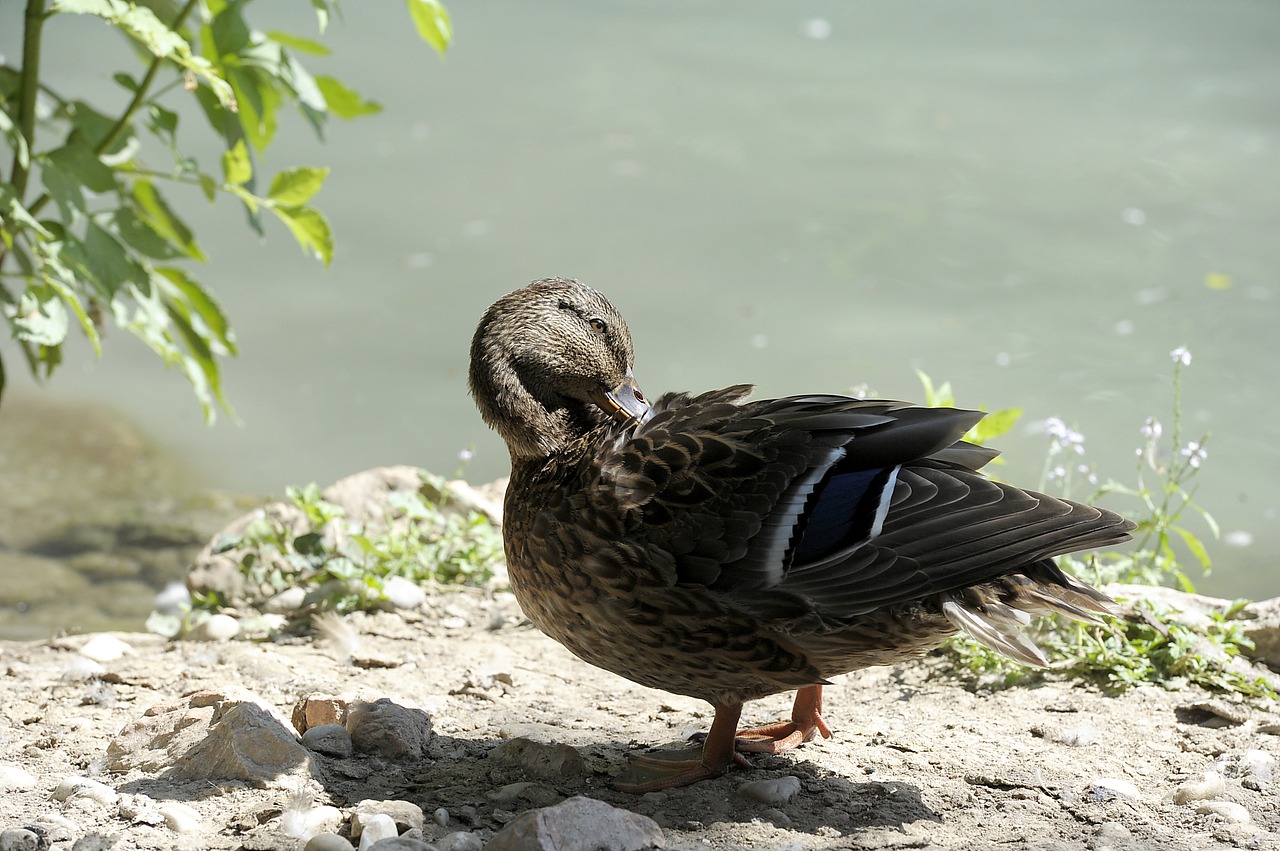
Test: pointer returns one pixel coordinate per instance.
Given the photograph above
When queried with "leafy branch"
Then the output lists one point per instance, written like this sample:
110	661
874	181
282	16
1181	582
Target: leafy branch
114	248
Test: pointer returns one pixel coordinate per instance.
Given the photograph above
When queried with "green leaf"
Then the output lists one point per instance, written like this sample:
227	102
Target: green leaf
80	161
143	25
140	236
69	294
343	102
258	104
39	317
432	20
1197	548
237	168
298	43
154	210
201	304
310	228
16	140
108	263
994	425
296	186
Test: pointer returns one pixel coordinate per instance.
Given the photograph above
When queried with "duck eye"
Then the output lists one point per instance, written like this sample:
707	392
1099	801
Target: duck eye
598	325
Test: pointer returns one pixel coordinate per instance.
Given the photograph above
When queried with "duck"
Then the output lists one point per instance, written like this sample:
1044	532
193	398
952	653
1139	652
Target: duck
727	549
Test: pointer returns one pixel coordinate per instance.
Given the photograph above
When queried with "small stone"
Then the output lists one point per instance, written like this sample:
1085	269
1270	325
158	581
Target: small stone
1209	785
327	842
140	809
329	739
1110	788
86	787
1257	765
21	839
179	817
406	815
578	824
316	710
95	842
375	827
771	790
552	763
217	627
1228	810
403	593
776	816
402	843
104	648
54	827
1111	836
15	779
287	601
309	821
460	841
389	729
441	817
526	792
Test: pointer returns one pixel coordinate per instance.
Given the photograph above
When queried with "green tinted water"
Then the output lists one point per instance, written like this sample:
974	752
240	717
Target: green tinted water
1035	203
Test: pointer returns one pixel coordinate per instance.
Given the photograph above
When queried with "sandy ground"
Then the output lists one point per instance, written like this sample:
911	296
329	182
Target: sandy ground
917	761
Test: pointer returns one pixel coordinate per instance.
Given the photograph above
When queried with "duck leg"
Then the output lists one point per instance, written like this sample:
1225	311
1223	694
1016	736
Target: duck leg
806	723
669	769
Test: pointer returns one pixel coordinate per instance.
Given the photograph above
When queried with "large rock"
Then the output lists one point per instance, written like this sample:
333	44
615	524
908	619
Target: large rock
368	503
217	735
1260	621
578	824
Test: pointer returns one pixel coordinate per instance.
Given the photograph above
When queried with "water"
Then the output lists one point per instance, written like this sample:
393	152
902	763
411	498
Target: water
1036	204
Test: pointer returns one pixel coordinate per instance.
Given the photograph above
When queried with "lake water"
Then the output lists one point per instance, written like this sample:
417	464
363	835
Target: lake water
1034	202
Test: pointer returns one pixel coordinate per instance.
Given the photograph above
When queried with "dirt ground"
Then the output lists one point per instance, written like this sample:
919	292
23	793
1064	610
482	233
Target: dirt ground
917	761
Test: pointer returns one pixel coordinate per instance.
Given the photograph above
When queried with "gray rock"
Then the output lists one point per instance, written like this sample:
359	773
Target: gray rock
1227	810
327	842
402	843
330	740
95	842
521	758
406	815
376	827
21	839
1209	785
460	841
389	729
228	734
527	792
1109	788
217	627
771	790
578	824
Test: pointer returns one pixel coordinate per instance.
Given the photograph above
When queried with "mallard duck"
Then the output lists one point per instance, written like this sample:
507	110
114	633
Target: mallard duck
728	549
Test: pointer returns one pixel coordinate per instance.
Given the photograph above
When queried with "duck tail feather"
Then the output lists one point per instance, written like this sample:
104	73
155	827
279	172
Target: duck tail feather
999	627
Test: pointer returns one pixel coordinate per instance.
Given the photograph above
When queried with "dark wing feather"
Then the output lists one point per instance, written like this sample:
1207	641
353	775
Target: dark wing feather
830	506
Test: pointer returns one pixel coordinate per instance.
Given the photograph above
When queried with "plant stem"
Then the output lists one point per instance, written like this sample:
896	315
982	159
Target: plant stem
33	23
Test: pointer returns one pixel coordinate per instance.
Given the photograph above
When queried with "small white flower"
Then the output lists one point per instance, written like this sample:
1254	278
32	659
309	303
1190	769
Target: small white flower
466	454
1194	453
1057	474
1055	427
1181	355
1151	429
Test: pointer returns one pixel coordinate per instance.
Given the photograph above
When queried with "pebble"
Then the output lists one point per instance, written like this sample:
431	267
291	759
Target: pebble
772	790
1209	785
179	817
140	809
329	739
308	821
1228	810
217	627
55	828
1256	764
375	827
287	601
86	787
104	648
327	842
15	779
401	843
1112	834
441	817
403	593
21	839
603	826
460	841
316	710
1109	788
406	815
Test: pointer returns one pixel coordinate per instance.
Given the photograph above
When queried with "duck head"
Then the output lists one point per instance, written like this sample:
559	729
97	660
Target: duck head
549	363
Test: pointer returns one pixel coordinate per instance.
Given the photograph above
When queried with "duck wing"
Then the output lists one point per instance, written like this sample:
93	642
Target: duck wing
831	507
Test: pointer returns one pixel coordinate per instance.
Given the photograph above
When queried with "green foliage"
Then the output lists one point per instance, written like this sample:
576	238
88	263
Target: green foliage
1152	644
988	428
87	231
346	564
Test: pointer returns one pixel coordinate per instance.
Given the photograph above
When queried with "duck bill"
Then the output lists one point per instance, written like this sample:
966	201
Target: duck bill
624	403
